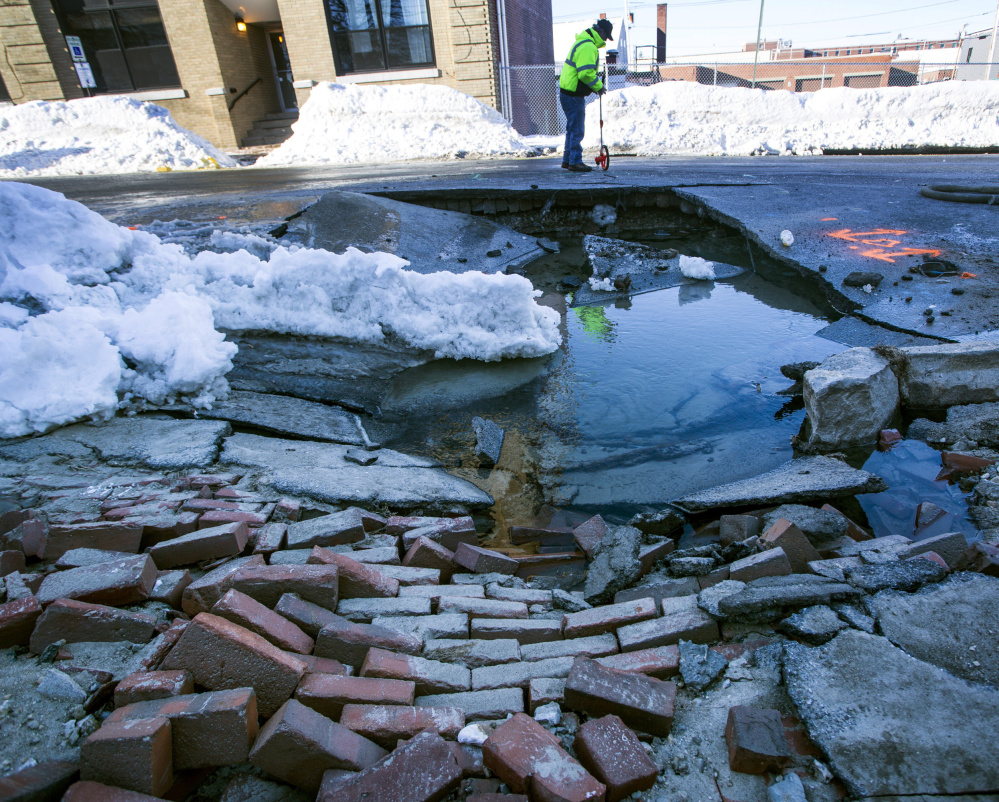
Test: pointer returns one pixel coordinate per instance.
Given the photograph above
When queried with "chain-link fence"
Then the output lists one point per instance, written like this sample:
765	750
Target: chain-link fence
531	92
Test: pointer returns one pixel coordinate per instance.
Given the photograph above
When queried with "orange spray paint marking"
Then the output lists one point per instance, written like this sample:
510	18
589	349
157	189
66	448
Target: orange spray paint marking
887	256
829	219
882	239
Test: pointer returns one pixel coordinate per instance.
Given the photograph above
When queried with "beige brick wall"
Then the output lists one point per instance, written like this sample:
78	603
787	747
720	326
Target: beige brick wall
465	45
210	53
34	60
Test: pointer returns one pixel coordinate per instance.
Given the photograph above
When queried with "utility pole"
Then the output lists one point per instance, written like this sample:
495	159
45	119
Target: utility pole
759	30
995	46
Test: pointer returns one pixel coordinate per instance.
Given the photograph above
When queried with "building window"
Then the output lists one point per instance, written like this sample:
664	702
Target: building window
125	43
380	35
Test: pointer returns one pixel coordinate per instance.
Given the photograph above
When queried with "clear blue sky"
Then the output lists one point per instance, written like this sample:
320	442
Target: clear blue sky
706	26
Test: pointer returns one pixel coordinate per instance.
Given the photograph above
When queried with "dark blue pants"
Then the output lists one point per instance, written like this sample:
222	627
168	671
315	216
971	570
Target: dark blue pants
575	127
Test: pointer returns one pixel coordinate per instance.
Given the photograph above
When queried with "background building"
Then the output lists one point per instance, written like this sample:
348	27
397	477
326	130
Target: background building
236	71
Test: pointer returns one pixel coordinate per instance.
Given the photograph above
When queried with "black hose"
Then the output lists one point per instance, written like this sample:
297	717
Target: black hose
956	194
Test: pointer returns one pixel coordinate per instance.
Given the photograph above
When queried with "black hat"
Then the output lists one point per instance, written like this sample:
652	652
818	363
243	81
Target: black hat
605	28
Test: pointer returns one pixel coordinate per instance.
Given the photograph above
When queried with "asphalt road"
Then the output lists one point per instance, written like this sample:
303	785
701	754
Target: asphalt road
848	214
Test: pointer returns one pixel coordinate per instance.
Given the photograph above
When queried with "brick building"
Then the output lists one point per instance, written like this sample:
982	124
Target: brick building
236	71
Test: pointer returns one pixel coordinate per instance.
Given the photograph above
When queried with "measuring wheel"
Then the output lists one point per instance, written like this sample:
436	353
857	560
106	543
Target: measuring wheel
603	160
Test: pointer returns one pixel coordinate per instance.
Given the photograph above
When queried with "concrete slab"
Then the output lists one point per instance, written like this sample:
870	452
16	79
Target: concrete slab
290	416
892	724
797	481
431	240
321	471
952	624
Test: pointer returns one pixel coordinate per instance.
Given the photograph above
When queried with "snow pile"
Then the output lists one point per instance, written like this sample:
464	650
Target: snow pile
98	135
689	118
94	317
696	267
343	124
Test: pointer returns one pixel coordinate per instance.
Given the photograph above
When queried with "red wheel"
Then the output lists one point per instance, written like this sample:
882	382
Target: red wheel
604	158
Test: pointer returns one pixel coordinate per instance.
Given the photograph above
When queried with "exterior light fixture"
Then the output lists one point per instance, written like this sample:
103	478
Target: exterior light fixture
240	25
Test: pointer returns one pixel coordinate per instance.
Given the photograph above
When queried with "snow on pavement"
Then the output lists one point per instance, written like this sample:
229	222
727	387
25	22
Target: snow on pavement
344	124
687	118
95	317
96	136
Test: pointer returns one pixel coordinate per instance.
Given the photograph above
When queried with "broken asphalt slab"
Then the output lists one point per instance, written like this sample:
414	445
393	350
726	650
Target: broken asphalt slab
152	442
431	240
886	230
322	471
289	416
796	482
953	624
890	723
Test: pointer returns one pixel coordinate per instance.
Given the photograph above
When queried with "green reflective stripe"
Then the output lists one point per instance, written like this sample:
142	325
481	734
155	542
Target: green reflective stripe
587	67
572	53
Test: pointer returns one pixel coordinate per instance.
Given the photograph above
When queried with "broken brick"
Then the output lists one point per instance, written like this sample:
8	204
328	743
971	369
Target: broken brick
170	586
221	655
106	535
681	618
853	530
349	643
336	529
298	744
430	676
531	760
267	583
643	703
357	580
484	561
40	782
286	511
116	583
202	594
424	769
17	621
308	617
270	538
208	729
144	686
756	742
772	562
75	622
248	613
89	791
661	662
205	544
651	553
535	630
386	725
784	534
327	693
482	608
426	553
614	755
608	617
135	755
214	518
589	534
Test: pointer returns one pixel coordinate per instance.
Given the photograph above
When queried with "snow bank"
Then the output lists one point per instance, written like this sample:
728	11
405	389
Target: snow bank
98	135
94	317
344	124
688	118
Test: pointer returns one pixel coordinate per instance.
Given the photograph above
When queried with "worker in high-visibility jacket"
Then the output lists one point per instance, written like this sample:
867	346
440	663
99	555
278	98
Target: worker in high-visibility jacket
579	79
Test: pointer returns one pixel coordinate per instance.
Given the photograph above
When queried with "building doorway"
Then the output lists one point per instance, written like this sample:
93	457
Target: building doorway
283	78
